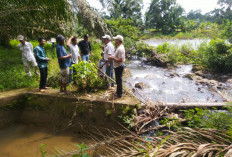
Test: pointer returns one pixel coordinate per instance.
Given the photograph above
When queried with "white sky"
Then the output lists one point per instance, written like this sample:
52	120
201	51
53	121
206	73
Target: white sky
204	5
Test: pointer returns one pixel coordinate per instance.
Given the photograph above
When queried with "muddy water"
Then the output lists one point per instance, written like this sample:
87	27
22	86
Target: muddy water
25	141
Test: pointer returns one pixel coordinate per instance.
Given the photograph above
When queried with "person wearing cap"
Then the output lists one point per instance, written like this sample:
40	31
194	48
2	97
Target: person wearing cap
42	61
119	60
85	48
27	55
64	63
74	50
108	52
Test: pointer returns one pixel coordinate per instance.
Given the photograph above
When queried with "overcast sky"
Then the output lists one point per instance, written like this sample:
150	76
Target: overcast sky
204	5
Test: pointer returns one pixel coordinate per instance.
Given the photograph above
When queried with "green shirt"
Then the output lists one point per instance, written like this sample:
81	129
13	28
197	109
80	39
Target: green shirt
40	56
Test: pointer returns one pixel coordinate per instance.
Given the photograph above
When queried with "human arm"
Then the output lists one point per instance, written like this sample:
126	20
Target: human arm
120	57
65	57
61	54
69	41
79	58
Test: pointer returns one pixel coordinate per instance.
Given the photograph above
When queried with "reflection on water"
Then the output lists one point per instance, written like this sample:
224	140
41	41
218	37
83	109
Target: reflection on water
25	141
169	85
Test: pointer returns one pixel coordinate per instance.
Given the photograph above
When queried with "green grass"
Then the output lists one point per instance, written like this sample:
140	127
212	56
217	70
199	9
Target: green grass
13	76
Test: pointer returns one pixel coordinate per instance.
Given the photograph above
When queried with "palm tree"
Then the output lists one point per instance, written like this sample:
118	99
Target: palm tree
33	18
127	9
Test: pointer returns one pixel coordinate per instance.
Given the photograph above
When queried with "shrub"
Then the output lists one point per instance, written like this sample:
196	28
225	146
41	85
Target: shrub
200	118
87	77
219	56
143	49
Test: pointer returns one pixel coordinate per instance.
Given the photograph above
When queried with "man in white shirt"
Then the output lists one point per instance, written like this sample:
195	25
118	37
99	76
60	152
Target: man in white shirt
119	60
74	50
109	52
27	55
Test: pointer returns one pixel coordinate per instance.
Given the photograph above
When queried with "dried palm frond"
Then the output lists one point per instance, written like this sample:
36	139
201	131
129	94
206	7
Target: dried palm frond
186	142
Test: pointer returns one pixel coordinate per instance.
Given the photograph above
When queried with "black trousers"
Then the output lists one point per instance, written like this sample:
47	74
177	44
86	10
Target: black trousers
43	77
118	75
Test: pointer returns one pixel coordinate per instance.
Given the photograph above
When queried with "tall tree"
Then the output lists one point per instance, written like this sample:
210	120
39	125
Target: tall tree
33	18
127	9
164	15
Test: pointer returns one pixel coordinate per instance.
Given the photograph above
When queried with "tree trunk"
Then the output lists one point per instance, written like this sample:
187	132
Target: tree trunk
4	40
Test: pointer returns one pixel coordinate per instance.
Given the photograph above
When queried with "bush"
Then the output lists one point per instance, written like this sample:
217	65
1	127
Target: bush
87	77
200	118
219	56
143	49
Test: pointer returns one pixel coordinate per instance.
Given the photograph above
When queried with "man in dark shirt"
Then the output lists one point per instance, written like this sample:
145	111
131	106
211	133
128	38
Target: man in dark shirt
85	47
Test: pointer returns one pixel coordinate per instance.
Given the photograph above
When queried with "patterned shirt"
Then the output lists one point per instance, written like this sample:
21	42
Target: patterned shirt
40	56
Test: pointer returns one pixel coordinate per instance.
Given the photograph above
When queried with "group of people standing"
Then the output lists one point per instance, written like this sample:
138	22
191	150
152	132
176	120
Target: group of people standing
111	59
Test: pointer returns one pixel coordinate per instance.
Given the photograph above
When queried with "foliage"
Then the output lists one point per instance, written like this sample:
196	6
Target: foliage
33	18
126	9
176	54
143	49
12	69
89	18
164	15
125	28
87	77
227	30
43	151
128	120
200	118
219	56
82	147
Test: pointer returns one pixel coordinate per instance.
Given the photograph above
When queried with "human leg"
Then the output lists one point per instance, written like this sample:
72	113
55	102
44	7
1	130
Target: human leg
64	79
26	66
43	78
118	75
70	74
35	65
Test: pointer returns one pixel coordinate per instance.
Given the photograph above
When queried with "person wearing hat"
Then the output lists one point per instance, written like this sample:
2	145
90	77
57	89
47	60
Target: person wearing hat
64	63
27	55
119	60
85	48
108	52
42	60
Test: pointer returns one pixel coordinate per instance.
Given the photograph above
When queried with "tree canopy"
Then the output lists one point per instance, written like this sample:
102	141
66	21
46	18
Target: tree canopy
127	9
164	15
33	18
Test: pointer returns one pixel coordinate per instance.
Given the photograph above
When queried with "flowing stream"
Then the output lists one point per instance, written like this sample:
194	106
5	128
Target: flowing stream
169	85
165	85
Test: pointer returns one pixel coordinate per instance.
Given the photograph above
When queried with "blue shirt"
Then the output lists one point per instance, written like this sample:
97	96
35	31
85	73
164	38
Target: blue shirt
63	63
40	56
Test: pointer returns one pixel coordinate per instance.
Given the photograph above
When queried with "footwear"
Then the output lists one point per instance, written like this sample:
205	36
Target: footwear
42	90
46	87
